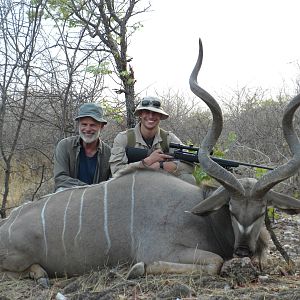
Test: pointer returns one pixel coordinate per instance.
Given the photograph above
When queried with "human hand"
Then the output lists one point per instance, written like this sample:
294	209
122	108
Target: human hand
155	157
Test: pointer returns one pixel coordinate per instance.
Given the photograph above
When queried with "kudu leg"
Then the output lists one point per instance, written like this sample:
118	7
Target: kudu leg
164	267
35	272
189	261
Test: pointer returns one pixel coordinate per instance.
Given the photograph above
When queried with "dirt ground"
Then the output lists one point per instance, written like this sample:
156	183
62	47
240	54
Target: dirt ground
276	281
111	284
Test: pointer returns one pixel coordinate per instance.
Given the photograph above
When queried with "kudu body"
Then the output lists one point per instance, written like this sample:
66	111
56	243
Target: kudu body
149	217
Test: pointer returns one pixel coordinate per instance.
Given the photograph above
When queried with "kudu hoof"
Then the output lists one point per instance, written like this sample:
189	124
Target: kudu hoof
136	271
43	282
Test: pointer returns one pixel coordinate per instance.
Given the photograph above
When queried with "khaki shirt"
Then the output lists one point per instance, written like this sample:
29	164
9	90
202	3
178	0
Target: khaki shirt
119	161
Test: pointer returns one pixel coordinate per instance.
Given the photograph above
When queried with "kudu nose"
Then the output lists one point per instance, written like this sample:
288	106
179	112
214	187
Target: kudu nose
243	251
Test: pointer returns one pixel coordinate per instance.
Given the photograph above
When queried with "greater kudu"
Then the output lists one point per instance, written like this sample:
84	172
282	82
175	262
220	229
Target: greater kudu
144	217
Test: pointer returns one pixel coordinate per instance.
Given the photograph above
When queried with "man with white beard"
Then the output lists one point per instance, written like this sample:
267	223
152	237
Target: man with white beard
83	159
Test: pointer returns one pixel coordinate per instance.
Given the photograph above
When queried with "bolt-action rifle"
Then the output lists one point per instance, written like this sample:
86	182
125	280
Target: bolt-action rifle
191	155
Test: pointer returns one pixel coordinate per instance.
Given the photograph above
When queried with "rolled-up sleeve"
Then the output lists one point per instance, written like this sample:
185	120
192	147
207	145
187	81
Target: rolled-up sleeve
118	159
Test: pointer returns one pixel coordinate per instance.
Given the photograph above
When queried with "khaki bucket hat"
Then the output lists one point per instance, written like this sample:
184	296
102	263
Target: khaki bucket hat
91	110
152	104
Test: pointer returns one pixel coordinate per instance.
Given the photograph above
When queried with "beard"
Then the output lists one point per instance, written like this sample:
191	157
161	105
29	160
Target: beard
91	138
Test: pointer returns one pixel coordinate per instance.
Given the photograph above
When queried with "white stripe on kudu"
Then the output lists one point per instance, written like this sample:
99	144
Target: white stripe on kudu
44	225
132	210
80	216
13	221
106	218
65	222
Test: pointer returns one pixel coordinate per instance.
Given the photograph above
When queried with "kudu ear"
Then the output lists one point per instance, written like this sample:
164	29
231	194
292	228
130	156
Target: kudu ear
219	198
283	202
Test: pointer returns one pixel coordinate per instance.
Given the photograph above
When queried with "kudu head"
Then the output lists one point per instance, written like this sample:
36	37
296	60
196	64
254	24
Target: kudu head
247	198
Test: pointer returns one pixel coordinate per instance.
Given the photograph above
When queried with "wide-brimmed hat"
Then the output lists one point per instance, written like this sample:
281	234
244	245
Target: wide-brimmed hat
91	110
153	104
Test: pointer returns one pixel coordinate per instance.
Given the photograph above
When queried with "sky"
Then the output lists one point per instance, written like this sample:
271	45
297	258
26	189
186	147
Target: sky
252	43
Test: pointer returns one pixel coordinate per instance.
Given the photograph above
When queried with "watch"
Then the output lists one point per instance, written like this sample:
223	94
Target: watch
161	164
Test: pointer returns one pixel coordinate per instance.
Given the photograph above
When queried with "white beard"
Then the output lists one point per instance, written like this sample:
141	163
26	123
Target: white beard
89	139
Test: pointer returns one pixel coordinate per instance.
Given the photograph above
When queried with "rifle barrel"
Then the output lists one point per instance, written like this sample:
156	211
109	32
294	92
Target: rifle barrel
255	166
193	157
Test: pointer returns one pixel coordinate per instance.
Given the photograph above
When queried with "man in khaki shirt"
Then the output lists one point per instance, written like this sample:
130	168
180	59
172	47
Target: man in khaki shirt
148	135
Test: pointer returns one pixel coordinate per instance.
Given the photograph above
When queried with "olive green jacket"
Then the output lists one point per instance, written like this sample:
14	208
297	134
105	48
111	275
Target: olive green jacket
66	163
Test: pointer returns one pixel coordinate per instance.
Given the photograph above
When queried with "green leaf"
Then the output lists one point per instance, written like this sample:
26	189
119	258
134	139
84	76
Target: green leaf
258	172
200	175
101	69
232	137
272	214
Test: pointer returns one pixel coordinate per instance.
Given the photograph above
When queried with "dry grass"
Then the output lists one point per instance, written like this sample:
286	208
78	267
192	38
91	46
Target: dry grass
111	284
24	182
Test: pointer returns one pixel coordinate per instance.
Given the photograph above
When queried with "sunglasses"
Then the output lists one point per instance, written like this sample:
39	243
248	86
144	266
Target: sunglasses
153	103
